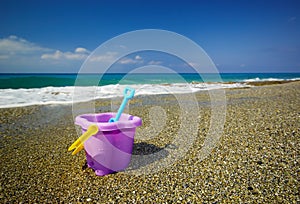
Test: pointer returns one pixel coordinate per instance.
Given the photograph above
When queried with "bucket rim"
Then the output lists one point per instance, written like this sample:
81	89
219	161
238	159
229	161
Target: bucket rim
126	121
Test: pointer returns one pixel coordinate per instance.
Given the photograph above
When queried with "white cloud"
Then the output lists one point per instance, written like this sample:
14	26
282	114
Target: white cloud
138	57
81	50
79	54
75	56
108	57
137	60
57	55
153	62
14	45
20	55
127	60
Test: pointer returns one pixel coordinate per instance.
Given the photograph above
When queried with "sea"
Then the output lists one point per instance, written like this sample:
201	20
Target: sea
18	90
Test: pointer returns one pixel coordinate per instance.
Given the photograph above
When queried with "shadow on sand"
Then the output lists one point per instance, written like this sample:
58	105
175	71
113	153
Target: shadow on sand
144	154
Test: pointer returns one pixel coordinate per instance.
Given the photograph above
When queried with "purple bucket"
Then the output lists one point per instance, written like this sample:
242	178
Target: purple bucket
110	149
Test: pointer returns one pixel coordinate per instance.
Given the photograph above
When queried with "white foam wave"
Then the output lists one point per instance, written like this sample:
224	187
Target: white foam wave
257	79
70	94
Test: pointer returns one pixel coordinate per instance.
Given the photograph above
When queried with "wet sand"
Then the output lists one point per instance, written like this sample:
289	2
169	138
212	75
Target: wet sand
256	159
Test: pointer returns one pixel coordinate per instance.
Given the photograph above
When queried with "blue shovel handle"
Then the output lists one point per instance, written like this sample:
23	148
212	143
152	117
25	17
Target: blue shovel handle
128	94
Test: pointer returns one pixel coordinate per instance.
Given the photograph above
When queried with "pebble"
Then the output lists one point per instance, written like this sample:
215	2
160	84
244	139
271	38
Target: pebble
254	162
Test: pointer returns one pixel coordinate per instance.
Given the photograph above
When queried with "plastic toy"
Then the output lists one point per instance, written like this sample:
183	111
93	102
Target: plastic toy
78	144
108	149
127	96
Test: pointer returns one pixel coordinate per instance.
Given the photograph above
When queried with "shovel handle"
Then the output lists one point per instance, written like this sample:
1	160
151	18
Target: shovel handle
128	94
78	144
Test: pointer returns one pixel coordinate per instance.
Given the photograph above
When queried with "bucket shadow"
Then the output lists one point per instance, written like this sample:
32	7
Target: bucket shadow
144	154
144	148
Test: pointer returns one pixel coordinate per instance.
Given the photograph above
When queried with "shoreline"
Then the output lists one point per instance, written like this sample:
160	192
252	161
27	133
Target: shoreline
68	103
256	159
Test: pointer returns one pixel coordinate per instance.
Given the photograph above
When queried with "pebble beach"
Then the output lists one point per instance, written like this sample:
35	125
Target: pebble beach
256	159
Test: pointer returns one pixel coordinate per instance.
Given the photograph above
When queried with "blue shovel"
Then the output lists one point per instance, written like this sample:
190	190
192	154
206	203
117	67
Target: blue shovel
128	94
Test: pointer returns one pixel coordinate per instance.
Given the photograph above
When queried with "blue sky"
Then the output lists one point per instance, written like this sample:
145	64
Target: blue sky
239	36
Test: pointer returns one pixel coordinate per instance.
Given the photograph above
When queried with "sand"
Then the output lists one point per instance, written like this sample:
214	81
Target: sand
256	159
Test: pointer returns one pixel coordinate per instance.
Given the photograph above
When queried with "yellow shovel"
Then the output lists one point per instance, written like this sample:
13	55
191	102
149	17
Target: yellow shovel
78	144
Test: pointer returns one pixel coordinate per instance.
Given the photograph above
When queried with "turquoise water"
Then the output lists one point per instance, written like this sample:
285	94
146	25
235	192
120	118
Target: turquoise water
16	81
